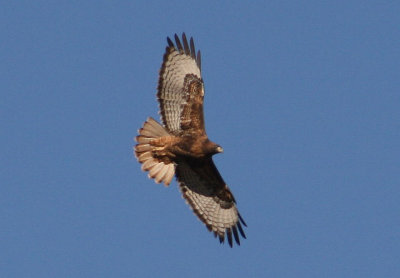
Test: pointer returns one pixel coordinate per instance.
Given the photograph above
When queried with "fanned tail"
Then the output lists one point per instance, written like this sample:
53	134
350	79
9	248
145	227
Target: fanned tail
160	171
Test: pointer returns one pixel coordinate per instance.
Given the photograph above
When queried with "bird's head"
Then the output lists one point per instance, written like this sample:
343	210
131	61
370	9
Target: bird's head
210	148
216	149
219	149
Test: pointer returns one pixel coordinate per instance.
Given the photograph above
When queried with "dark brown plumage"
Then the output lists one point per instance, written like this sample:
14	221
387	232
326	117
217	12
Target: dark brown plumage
181	146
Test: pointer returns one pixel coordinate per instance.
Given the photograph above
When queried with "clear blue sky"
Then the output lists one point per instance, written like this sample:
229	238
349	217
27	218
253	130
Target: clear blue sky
304	98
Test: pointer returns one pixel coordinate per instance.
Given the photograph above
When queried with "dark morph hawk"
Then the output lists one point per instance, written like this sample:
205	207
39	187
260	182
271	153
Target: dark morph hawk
181	146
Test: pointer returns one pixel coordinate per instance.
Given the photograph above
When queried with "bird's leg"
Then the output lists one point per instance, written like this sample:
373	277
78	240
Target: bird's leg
161	147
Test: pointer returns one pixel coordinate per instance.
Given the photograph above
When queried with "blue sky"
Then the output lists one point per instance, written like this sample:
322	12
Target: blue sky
303	97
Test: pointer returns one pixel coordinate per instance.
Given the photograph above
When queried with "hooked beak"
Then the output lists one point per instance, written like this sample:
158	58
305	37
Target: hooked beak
219	149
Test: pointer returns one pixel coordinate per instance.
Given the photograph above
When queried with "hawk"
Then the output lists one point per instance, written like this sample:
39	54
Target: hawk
181	147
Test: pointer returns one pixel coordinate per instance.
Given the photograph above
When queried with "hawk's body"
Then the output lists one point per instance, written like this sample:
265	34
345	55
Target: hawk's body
181	146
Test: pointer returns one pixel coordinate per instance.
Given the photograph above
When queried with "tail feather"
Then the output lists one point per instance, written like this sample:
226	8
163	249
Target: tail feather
163	173
158	170
157	128
148	164
158	177
170	173
143	148
142	139
144	156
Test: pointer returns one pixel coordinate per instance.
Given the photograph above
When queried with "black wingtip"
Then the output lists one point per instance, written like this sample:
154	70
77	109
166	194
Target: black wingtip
198	59
241	219
170	43
229	234
192	49
178	42
241	230
186	47
185	44
236	235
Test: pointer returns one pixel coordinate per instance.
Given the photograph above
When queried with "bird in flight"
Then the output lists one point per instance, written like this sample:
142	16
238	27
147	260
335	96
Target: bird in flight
180	146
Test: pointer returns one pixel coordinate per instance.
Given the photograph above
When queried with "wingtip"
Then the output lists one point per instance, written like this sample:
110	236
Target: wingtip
185	44
241	220
198	59
192	49
178	42
170	43
236	235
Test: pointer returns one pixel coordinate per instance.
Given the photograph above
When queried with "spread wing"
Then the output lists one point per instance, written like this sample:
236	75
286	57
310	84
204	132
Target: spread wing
180	88
210	198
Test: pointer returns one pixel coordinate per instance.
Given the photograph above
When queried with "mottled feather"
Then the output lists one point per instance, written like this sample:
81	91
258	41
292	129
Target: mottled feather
181	146
210	199
180	86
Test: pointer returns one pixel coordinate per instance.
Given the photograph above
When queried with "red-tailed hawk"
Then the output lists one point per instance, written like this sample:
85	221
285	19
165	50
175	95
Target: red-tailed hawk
181	147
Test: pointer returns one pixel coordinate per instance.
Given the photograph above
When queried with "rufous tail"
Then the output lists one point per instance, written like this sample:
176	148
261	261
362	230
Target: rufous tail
159	170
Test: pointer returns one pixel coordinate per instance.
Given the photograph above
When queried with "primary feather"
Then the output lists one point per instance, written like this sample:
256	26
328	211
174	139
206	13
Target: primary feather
182	147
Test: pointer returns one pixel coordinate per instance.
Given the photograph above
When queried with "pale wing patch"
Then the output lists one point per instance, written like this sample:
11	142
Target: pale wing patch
218	217
178	63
